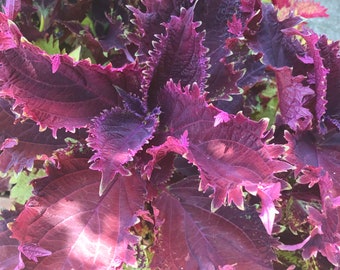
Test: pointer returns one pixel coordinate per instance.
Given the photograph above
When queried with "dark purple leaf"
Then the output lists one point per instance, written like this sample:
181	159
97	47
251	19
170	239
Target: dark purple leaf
21	142
192	237
179	55
150	22
331	60
293	95
278	48
215	15
79	228
318	76
314	156
9	254
116	136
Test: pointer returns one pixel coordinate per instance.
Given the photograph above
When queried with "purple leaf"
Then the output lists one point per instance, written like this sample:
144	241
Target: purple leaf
21	142
278	48
116	136
292	98
221	151
192	237
215	15
79	228
331	60
9	254
314	155
57	92
179	55
318	76
150	23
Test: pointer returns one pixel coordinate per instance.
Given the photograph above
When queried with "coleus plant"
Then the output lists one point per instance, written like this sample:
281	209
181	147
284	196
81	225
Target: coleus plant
168	135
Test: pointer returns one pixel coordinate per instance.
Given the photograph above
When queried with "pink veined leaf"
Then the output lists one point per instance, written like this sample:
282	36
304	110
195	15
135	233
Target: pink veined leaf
292	98
192	237
178	55
79	228
12	8
220	153
21	142
116	136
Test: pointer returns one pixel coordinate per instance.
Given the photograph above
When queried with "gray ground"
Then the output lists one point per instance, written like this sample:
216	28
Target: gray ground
331	25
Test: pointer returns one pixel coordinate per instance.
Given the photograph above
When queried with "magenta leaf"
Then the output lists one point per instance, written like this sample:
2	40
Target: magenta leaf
11	8
293	95
9	34
178	55
192	237
116	136
80	229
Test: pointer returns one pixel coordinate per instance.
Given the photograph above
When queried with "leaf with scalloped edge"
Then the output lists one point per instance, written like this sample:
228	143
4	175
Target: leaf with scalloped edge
329	51
57	92
318	76
178	55
149	23
192	237
278	48
22	142
293	95
78	228
221	145
116	136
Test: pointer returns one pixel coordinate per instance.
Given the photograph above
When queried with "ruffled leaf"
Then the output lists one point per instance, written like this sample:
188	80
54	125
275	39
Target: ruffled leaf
179	55
292	98
278	48
221	152
192	237
318	75
149	23
331	60
77	228
116	136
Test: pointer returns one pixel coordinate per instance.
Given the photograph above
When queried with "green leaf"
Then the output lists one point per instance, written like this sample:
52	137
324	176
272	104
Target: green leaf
22	190
50	45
